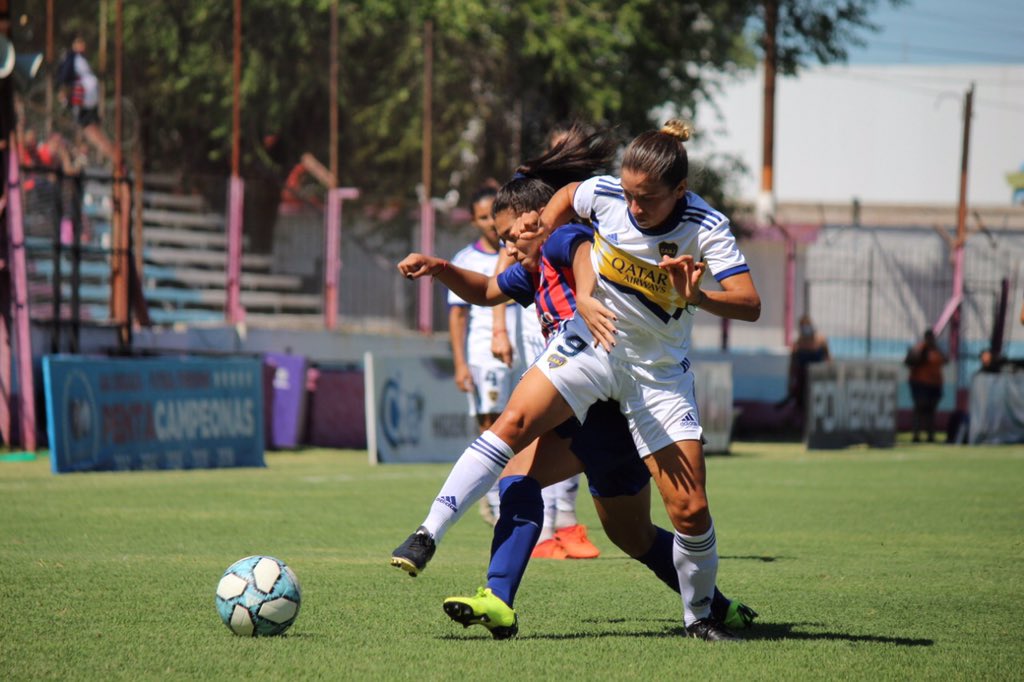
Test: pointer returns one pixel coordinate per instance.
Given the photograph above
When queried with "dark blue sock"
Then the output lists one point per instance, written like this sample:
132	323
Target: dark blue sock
659	559
521	515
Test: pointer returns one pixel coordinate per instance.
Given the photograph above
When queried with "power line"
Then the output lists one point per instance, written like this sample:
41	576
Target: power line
948	51
973	21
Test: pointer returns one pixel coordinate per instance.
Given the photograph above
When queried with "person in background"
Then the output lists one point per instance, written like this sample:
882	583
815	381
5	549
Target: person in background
925	361
809	348
84	100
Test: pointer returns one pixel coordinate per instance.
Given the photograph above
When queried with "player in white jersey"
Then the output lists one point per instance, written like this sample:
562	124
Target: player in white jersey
487	380
656	242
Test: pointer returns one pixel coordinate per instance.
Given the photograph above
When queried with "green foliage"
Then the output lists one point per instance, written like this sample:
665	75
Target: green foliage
864	564
504	73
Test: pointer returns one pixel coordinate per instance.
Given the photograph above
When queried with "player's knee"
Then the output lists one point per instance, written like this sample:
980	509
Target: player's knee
690	514
510	426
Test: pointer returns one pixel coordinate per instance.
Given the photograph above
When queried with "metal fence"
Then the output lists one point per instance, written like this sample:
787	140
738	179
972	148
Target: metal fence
874	291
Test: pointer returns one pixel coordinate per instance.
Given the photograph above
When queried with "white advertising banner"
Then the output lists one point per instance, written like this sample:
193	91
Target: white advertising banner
714	404
414	412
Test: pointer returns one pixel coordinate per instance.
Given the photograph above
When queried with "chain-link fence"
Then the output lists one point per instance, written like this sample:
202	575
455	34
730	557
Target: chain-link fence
874	291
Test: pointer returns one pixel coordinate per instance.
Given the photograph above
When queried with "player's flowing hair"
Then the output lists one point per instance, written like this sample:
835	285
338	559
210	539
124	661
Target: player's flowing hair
578	156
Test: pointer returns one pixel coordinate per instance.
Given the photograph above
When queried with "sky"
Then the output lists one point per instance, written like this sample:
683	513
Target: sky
945	32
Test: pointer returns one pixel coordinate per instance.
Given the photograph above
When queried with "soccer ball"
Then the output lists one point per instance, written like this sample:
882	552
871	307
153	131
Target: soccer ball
258	596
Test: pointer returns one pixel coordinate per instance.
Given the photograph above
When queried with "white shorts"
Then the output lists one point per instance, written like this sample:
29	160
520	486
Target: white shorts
658	401
493	385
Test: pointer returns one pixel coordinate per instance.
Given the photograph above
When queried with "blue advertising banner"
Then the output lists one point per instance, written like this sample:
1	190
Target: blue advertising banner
107	414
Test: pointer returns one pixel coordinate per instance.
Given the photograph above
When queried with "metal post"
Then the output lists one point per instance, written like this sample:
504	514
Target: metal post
871	292
19	278
332	251
233	311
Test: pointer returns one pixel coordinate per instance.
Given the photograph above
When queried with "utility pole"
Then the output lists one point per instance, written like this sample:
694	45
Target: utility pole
960	245
121	196
765	209
426	284
332	95
233	311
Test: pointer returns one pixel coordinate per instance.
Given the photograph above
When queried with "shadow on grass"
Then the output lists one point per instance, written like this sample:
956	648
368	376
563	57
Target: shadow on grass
760	632
786	631
746	557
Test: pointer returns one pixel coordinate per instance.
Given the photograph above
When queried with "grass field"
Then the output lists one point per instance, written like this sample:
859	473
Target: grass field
864	564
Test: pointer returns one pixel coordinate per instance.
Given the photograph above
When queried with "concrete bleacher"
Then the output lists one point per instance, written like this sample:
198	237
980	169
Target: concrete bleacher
184	265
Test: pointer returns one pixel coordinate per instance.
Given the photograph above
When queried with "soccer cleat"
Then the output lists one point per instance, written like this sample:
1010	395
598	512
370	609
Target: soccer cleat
577	545
484	609
739	616
710	630
549	549
413	555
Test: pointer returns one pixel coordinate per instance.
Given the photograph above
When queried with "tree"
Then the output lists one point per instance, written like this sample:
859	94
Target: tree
505	73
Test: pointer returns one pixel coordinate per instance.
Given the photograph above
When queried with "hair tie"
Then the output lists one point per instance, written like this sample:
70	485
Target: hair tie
518	176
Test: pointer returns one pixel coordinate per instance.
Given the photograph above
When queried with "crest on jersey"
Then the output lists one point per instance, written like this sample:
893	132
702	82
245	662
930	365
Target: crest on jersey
669	249
555	361
492	395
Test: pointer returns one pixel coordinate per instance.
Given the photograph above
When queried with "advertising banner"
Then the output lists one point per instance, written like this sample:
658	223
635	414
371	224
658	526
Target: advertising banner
153	413
714	404
851	403
414	412
288	402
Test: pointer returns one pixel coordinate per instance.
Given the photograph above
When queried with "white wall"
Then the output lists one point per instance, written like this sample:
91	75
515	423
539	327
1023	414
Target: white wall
889	134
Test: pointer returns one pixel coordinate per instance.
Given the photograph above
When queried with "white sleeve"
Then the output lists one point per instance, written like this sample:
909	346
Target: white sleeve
583	199
458	260
721	253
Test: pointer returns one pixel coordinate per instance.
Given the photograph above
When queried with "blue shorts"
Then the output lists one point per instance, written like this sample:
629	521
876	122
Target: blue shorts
606	448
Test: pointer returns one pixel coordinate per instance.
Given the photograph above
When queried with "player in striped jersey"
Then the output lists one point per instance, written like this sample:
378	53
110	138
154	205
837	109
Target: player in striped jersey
629	340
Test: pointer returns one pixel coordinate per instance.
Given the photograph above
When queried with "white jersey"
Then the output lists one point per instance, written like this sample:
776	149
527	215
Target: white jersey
478	336
530	342
87	79
654	322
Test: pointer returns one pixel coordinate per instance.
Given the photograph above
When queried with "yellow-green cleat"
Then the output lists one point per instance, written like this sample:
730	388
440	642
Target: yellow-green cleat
739	616
484	609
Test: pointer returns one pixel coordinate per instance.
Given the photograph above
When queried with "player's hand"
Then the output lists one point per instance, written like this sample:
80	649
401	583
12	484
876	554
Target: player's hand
463	379
599	320
417	265
501	347
530	235
685	274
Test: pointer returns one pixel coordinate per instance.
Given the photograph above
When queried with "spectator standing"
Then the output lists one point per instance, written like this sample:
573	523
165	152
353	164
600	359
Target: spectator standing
925	361
83	98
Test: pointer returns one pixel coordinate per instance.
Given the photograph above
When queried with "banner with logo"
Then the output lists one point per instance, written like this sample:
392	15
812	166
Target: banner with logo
414	412
153	413
851	402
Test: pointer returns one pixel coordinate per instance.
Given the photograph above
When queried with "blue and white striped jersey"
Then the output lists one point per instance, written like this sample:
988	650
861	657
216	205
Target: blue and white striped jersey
654	322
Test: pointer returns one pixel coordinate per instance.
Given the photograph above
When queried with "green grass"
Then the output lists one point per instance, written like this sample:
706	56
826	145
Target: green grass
864	564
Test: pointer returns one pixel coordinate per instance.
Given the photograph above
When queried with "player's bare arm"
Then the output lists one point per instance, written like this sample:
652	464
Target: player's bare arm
472	287
738	299
599	319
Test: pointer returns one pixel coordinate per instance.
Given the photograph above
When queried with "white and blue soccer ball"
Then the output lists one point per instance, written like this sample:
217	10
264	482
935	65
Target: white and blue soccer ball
258	596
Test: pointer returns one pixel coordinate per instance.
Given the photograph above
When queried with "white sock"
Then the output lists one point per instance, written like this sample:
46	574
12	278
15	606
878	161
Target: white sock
696	560
550	495
494	500
473	474
565	502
